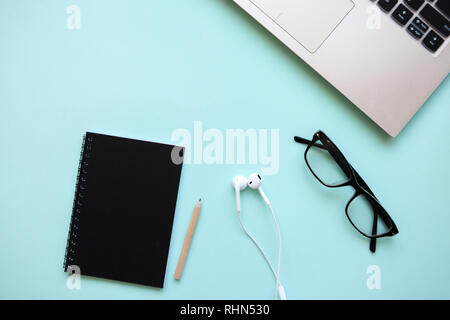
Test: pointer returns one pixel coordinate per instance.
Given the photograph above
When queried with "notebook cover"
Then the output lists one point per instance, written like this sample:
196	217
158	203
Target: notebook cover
123	209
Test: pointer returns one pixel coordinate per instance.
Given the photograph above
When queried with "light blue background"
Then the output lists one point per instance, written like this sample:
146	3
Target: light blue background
142	69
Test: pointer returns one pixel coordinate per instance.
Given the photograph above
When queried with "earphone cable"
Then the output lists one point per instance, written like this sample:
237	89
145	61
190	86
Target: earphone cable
279	248
276	274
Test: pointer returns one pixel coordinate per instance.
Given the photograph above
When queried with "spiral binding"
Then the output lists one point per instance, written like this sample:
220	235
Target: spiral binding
72	241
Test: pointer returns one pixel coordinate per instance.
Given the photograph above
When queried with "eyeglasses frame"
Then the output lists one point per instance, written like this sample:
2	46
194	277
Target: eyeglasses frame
355	181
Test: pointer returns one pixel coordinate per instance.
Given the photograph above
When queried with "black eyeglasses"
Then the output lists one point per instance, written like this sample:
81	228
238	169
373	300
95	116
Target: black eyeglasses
363	210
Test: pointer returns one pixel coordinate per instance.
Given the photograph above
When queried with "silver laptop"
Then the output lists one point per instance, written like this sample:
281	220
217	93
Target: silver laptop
386	56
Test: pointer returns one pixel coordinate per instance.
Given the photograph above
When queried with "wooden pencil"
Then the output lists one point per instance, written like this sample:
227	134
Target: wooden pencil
187	240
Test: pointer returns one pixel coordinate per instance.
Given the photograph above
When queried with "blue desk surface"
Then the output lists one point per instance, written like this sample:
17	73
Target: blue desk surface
143	69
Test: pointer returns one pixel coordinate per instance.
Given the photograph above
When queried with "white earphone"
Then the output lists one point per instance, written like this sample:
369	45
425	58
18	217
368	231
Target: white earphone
254	181
239	184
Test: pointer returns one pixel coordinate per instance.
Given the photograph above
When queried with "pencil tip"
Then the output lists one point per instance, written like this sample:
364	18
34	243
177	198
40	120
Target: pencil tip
200	200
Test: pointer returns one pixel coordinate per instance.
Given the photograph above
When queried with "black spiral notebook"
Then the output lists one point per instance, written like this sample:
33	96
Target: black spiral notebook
123	209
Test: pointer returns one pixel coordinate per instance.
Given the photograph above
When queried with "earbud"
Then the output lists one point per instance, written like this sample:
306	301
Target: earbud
239	184
254	182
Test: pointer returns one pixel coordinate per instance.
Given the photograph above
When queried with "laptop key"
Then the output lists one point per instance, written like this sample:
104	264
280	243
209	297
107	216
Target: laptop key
414	4
444	6
414	31
422	26
432	41
402	14
437	20
387	5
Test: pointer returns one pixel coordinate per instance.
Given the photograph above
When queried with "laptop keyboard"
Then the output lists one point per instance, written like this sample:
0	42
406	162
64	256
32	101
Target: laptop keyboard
425	20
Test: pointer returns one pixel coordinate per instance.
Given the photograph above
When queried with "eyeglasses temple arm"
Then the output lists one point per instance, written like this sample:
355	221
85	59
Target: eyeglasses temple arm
306	141
373	241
